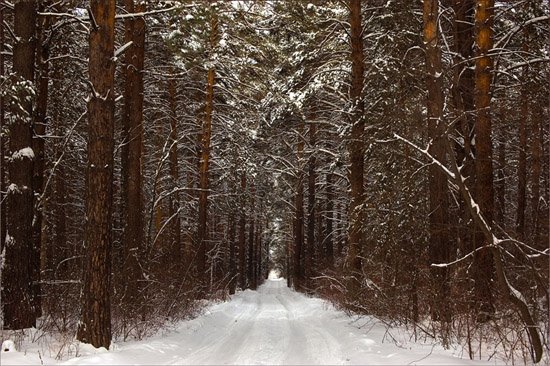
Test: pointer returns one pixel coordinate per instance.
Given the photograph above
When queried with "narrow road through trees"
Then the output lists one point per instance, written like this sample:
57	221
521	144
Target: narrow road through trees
276	325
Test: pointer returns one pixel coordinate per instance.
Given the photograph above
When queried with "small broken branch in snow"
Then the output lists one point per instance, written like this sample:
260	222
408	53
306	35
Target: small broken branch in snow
10	31
456	261
151	12
64	145
123	48
92	19
120	16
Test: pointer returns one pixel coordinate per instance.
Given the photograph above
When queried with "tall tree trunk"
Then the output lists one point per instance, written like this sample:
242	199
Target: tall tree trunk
483	262
463	100
500	184
328	240
288	258
175	232
191	158
232	253
40	121
257	254
522	172
205	156
522	156
242	234
95	323
356	147
463	85
3	210
159	211
251	240
310	252
536	157
17	295
299	216
134	31
439	202
56	247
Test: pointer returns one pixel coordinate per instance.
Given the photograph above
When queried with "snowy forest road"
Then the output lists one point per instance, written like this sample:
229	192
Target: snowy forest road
271	326
276	325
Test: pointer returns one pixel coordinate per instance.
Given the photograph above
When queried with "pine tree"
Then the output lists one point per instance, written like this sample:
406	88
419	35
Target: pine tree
95	323
18	274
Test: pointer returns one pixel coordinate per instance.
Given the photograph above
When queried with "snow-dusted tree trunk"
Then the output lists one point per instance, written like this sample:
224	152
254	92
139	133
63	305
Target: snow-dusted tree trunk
309	260
298	250
17	274
439	245
176	246
232	222
205	155
2	143
462	90
356	146
242	234
40	122
538	223
251	240
132	121
95	323
328	240
483	148
522	156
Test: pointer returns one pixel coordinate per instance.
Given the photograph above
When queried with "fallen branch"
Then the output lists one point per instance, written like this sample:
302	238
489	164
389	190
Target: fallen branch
511	294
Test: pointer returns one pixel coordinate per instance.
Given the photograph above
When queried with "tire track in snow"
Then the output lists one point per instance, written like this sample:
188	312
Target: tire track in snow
320	345
229	337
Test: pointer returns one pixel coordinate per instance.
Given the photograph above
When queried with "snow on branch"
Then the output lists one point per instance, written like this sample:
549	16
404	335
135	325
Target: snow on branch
123	48
511	294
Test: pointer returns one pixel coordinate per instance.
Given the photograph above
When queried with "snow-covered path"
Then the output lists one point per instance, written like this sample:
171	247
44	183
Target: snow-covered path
274	325
271	326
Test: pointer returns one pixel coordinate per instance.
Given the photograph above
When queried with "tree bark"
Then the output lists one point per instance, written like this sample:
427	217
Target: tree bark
462	89
463	85
536	157
17	289
483	261
522	156
178	251
2	144
40	121
56	249
257	254
329	241
298	251
134	31
95	323
309	261
205	156
500	185
356	148
439	202
242	235
289	243
251	241
232	253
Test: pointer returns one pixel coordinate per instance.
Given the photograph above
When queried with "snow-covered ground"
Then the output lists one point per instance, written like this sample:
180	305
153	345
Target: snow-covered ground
273	325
